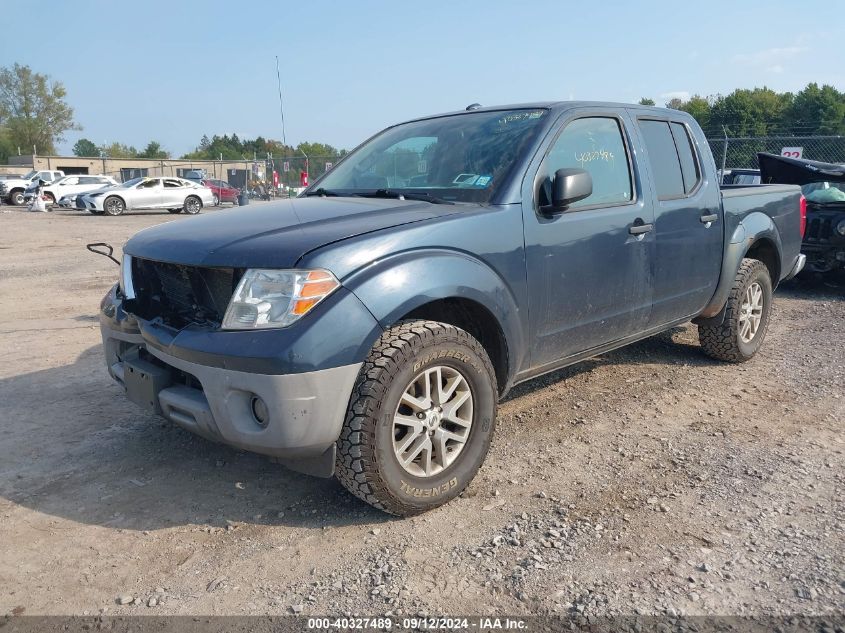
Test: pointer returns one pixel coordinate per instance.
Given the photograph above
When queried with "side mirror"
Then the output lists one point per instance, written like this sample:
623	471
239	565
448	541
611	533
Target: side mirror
569	185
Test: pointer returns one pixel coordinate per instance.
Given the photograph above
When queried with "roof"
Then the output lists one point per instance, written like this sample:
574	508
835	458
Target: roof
557	106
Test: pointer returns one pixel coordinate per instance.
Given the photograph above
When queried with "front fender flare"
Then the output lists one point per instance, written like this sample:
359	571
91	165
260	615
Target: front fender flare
395	286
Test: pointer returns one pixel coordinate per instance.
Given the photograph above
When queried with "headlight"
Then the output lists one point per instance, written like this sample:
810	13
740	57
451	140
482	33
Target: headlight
276	298
127	289
840	228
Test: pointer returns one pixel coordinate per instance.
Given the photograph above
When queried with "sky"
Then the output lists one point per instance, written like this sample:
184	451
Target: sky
173	71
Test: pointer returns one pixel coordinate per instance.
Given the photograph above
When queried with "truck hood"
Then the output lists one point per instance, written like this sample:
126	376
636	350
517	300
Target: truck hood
277	234
797	171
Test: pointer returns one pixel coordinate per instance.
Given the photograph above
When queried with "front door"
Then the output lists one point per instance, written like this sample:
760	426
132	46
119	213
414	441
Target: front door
147	194
588	267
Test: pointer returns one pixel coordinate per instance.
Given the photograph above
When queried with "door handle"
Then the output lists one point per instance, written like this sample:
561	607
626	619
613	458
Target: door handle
708	219
640	229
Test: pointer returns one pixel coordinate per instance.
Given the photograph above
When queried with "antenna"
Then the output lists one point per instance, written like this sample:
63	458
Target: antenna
281	107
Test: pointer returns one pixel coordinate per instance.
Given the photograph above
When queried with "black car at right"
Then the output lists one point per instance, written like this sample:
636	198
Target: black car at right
823	186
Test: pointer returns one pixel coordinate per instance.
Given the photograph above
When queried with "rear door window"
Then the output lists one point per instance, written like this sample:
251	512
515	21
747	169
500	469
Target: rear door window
663	159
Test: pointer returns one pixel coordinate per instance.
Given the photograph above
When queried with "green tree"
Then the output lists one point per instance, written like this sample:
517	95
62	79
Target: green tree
699	108
33	109
119	150
7	148
756	112
817	110
153	150
85	147
645	101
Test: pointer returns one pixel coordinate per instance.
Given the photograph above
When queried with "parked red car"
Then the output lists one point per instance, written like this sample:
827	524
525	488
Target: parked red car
222	190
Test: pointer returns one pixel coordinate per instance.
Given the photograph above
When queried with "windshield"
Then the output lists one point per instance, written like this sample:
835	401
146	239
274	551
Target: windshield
463	157
131	183
824	192
30	174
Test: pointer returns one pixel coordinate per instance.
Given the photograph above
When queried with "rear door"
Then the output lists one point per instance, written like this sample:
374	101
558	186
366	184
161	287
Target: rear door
174	193
687	220
589	276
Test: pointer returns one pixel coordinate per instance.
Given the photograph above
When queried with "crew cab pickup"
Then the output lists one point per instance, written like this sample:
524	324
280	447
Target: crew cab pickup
369	327
12	190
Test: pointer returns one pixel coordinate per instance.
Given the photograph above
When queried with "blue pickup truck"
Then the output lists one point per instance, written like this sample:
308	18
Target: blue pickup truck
369	327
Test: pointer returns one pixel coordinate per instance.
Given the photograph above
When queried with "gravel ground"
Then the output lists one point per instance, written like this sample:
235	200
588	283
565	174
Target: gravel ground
650	480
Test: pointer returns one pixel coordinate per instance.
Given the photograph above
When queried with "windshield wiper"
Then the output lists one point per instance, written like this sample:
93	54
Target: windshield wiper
401	195
323	192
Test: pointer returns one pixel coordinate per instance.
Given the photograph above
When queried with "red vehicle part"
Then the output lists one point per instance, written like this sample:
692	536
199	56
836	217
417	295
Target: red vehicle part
223	190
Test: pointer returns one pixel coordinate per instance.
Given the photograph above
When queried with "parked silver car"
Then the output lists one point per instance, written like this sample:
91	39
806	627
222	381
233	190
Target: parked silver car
174	194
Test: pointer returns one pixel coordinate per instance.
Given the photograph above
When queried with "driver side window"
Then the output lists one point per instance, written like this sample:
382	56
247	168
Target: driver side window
596	145
149	184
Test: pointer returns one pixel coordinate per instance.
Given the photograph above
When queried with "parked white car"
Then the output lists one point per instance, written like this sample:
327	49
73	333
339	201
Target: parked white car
69	187
174	194
12	189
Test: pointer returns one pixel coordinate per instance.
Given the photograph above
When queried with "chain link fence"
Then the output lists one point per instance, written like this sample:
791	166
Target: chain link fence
738	153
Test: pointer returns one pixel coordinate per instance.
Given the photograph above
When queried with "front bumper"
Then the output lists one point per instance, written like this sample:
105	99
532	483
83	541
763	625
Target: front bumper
306	410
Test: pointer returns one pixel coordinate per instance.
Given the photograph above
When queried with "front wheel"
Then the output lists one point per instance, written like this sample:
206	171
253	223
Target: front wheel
420	419
741	333
192	205
17	198
114	205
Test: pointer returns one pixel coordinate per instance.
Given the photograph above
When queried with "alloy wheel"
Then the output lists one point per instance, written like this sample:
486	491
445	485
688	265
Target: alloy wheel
432	423
751	312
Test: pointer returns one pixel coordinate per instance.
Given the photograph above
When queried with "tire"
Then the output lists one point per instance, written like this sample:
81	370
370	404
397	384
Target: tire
114	205
95	212
16	198
404	358
174	211
737	339
192	206
215	201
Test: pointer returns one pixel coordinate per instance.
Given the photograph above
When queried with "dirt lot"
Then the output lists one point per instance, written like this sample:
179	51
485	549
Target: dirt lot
648	480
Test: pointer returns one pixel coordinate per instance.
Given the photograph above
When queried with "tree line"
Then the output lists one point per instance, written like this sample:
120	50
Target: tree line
35	116
814	110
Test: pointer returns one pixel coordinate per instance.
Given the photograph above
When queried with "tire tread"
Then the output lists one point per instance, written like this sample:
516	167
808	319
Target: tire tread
721	341
356	466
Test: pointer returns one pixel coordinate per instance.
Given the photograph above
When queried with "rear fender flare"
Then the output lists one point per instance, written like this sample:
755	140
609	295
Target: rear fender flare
395	286
754	227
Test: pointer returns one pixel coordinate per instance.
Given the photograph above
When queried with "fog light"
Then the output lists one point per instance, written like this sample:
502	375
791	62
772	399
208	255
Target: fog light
260	411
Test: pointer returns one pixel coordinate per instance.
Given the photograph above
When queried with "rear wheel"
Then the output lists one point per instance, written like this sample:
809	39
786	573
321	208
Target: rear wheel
420	420
193	205
114	205
215	201
743	329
